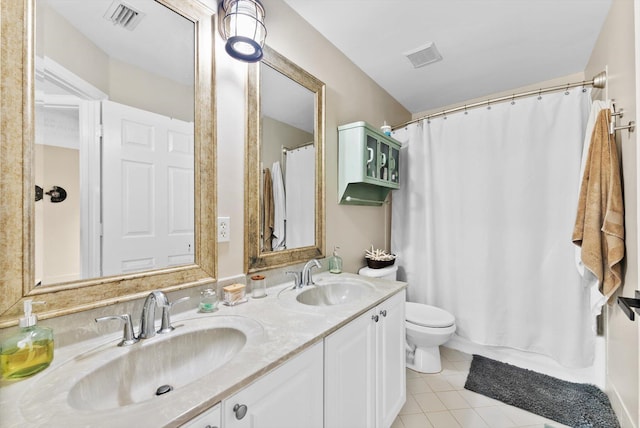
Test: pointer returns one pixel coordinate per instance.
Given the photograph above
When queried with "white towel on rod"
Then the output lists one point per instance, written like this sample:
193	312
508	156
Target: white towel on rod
279	210
589	280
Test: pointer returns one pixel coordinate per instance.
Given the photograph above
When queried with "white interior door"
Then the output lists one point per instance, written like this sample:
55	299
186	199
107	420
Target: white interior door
147	190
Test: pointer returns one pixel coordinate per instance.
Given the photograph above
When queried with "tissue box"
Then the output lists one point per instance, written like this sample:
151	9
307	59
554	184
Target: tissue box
234	294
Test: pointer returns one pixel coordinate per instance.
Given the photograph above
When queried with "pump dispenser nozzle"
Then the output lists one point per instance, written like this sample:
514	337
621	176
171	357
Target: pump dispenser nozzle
29	319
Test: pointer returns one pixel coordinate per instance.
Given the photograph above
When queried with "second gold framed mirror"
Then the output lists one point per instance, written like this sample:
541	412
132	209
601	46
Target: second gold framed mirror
284	190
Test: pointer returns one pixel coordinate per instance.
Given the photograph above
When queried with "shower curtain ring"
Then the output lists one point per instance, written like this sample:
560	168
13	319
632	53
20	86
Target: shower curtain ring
465	109
488	104
566	91
540	94
513	99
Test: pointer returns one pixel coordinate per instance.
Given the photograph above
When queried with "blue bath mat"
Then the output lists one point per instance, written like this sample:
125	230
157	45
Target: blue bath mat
578	405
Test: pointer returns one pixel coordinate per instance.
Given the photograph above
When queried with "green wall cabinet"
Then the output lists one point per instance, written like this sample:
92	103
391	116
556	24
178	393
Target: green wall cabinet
368	164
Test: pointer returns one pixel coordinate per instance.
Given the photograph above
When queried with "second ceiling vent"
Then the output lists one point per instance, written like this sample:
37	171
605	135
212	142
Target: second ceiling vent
424	55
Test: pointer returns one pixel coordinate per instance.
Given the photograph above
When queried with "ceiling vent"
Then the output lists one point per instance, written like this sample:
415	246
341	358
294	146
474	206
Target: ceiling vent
123	15
424	55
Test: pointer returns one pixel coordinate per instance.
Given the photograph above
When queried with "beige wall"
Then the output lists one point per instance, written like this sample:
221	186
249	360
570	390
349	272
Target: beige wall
275	134
559	81
615	50
57	224
61	42
350	96
138	88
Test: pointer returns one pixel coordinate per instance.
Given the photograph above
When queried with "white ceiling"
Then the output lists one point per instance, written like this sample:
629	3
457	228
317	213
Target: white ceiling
488	46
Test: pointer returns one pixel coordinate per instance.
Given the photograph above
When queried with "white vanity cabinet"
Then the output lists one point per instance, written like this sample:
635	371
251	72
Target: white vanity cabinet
365	368
209	419
291	396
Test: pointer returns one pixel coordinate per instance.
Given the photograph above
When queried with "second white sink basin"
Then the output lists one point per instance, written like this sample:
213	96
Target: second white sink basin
333	293
328	291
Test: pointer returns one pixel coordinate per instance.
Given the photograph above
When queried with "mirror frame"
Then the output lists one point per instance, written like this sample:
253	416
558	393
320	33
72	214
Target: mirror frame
17	29
255	260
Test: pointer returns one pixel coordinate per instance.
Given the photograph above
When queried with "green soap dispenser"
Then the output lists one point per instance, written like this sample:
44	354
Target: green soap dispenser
29	351
335	261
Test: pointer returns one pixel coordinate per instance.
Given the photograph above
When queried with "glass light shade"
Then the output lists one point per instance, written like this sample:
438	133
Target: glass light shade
243	28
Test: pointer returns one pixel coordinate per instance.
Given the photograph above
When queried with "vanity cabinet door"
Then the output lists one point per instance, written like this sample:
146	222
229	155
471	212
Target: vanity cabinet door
350	373
390	354
365	383
288	397
208	419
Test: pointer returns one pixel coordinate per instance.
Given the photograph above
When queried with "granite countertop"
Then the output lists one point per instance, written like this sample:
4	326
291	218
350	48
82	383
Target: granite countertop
277	328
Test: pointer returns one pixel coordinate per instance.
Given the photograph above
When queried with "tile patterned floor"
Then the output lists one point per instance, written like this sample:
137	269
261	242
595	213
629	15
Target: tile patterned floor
440	401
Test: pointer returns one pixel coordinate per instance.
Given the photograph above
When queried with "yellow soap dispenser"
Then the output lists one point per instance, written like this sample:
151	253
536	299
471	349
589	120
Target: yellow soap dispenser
29	351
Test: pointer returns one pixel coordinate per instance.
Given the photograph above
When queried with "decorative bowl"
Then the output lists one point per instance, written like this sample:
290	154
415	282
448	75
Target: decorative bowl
379	264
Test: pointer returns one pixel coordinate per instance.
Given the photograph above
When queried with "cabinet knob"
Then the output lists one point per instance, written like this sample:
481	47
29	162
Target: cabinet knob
383	312
375	318
240	411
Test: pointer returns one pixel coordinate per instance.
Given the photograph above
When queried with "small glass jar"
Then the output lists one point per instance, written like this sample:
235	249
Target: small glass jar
208	301
258	286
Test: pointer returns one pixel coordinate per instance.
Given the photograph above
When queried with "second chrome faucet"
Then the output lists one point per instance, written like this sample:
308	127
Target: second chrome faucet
305	277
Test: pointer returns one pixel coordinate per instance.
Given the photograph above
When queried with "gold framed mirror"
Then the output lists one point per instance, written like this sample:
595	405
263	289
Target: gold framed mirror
17	215
285	113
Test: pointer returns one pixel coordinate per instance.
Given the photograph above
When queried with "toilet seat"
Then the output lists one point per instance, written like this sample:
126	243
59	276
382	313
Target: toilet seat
428	316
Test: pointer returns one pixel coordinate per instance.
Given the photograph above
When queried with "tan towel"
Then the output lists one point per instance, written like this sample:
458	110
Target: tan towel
599	227
267	211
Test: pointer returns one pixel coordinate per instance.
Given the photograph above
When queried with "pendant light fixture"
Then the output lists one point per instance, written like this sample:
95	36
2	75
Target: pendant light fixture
241	24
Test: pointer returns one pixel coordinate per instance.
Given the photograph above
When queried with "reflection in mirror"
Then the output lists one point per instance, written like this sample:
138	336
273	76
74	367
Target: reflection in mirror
86	75
285	165
287	157
115	131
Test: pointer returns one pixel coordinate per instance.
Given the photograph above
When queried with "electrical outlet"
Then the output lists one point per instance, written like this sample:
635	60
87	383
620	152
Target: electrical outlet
224	229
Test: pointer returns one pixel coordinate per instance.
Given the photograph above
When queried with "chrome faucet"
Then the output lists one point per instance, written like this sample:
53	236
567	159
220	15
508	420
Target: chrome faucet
306	278
148	316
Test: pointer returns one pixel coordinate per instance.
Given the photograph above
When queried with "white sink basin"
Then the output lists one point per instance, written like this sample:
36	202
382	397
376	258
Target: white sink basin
175	362
328	292
112	377
333	294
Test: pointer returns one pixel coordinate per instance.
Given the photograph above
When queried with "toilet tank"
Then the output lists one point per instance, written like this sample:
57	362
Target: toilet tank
389	272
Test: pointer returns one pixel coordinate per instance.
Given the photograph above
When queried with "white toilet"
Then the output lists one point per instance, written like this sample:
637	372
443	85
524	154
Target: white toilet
427	327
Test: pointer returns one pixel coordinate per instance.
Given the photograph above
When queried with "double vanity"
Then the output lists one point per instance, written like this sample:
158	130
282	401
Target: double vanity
324	355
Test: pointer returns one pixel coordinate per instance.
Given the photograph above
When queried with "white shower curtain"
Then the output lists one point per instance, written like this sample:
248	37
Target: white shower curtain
300	178
482	223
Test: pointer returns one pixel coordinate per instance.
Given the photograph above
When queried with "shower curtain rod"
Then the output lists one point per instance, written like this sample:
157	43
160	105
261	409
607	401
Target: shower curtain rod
598	81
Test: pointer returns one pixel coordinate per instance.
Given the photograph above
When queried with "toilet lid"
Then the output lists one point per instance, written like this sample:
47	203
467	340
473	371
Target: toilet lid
428	316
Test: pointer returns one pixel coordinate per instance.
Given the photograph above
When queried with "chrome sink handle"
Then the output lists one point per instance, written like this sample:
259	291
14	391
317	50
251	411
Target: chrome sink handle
297	278
148	316
166	326
128	338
